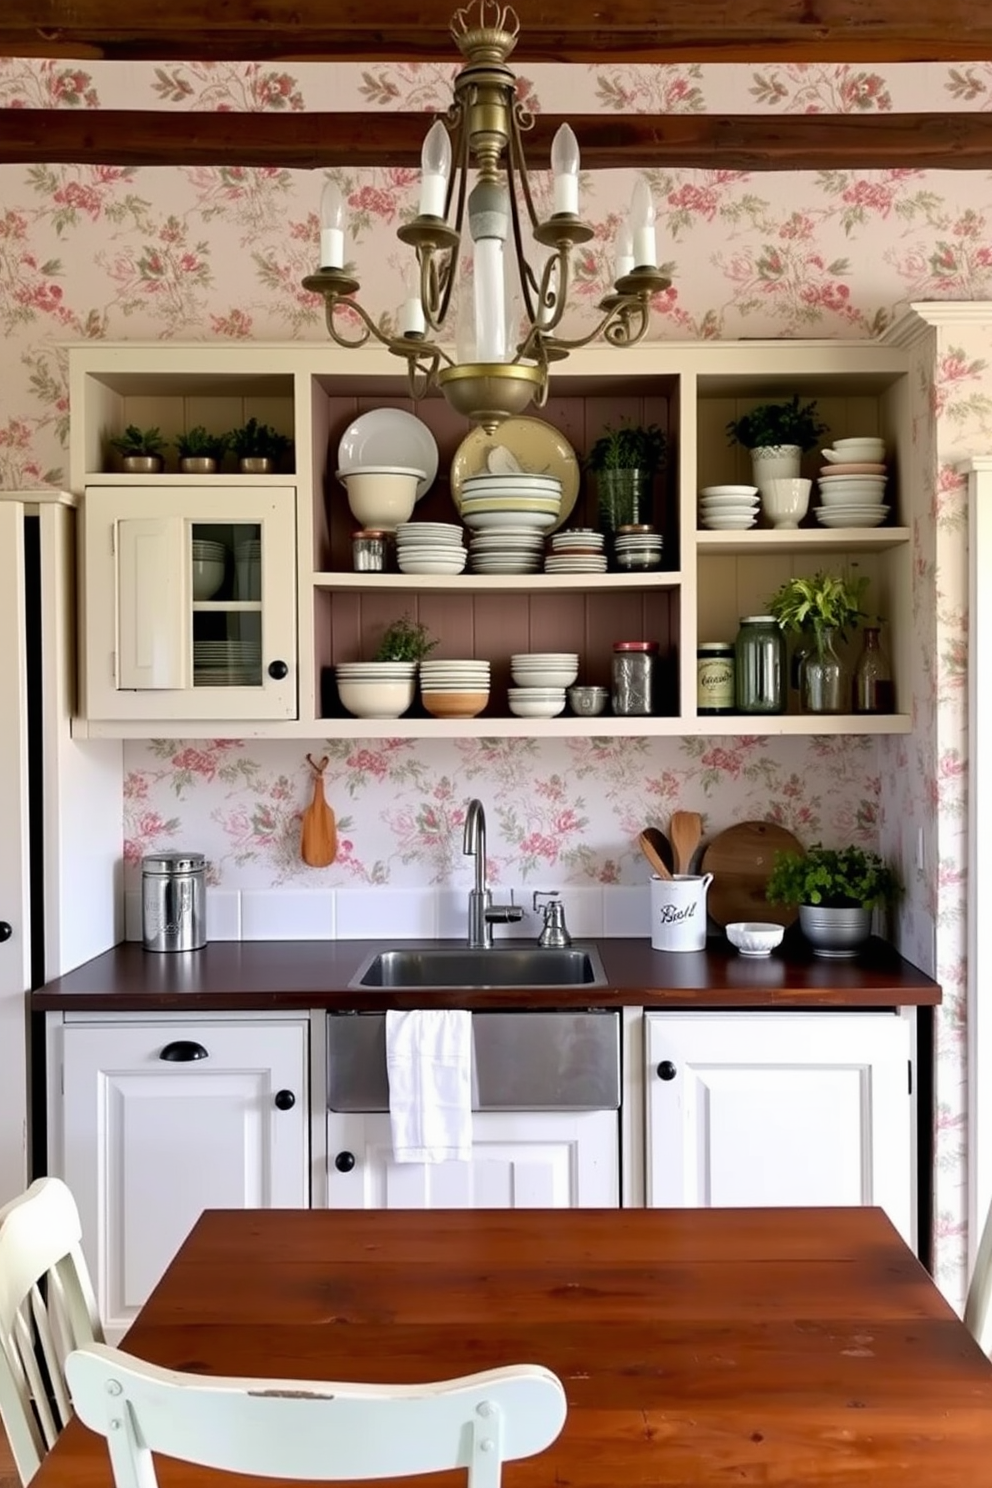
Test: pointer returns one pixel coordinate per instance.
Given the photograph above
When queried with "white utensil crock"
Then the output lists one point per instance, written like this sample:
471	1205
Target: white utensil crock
678	911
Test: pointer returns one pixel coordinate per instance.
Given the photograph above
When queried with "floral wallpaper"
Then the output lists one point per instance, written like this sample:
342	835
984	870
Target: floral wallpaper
196	252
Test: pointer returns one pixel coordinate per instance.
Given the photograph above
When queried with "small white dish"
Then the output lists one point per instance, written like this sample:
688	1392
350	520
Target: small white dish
390	436
728	524
754	937
711	491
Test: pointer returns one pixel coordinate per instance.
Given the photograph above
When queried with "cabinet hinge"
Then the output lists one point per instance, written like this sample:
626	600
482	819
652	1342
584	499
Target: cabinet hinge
909	1075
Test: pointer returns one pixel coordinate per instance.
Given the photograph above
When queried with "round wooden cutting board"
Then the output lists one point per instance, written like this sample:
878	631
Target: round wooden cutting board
740	860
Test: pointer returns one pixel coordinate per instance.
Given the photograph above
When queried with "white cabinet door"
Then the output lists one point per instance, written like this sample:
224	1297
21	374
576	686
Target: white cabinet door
190	602
523	1160
780	1108
150	1140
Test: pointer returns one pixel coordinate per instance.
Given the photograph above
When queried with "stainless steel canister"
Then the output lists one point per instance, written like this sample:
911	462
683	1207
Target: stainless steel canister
173	901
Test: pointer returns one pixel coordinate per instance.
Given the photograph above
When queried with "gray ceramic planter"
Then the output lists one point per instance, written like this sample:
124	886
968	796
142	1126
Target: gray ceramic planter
834	932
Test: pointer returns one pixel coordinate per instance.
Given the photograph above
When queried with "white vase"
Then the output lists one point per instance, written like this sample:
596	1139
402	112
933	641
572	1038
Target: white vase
775	462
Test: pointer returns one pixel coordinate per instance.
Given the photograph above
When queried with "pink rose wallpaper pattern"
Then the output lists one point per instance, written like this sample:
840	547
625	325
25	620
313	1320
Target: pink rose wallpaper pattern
195	252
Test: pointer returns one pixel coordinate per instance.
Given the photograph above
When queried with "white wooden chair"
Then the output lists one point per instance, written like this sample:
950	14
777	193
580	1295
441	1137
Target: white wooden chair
978	1305
47	1308
312	1429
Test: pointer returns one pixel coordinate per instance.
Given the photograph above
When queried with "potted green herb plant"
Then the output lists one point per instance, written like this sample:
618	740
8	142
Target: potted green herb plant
777	434
820	610
625	461
835	891
199	452
141	450
385	686
405	640
258	447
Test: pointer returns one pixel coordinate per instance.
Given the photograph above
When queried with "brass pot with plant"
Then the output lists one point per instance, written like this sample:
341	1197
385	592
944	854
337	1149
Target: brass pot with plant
835	890
142	451
625	461
820	610
258	448
200	452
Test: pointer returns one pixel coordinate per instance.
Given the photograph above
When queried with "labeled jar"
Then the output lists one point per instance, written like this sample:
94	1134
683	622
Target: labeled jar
759	665
368	550
173	901
715	677
633	677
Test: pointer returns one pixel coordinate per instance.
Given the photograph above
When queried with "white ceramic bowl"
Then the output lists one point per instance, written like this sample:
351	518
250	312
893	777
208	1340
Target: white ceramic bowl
754	937
544	676
728	491
785	500
851	495
535	705
208	575
376	699
381	496
857	449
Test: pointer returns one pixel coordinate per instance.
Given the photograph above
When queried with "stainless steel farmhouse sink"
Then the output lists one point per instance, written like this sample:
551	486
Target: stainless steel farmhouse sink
441	968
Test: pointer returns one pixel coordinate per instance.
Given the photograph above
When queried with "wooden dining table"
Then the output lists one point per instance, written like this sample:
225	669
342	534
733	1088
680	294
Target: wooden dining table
734	1346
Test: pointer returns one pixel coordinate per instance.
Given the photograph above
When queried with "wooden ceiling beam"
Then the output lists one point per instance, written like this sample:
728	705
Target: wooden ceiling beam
313	141
580	31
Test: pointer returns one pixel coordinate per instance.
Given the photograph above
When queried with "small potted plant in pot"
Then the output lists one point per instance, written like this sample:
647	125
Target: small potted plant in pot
625	461
199	452
820	610
385	686
258	447
142	451
777	434
835	891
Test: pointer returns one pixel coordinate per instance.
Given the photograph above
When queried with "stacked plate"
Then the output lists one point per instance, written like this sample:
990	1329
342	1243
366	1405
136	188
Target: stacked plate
728	508
209	566
227	663
508	500
454	689
506	550
248	568
430	548
577	550
852	495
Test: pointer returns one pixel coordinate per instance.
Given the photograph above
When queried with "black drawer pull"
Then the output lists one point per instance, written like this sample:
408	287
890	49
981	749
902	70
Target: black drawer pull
6	931
344	1162
285	1100
183	1051
667	1070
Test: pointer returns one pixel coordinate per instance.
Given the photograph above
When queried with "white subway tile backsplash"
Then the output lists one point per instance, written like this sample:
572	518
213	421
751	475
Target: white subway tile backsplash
287	914
223	914
627	910
583	911
377	913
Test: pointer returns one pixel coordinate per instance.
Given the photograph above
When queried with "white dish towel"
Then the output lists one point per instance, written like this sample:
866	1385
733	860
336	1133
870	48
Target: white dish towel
429	1063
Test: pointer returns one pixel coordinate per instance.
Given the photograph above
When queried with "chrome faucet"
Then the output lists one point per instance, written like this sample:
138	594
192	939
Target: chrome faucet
482	912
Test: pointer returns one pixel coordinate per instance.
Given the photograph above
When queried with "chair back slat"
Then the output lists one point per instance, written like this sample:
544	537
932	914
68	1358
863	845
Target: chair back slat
313	1430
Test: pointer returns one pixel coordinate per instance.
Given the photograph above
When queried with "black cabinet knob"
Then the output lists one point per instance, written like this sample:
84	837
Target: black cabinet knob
667	1070
344	1162
182	1051
278	670
285	1100
6	931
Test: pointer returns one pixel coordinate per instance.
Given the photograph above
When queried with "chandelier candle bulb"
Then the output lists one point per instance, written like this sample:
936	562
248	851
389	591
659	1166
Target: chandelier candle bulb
624	263
565	164
332	227
435	163
412	321
642	214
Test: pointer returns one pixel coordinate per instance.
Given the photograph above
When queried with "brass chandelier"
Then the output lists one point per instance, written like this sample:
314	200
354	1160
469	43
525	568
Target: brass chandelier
501	369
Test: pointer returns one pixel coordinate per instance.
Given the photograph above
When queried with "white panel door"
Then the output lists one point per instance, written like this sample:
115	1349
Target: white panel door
149	1142
15	904
780	1109
520	1160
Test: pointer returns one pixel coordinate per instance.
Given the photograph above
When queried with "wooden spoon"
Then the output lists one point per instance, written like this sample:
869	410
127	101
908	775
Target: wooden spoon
650	842
685	830
319	833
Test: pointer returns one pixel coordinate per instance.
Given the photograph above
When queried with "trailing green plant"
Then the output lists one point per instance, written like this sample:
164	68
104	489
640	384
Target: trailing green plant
405	640
771	425
629	448
812	606
252	441
196	443
135	441
834	877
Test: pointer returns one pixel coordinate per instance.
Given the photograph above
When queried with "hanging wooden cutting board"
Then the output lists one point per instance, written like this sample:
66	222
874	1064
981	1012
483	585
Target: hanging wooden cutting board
740	860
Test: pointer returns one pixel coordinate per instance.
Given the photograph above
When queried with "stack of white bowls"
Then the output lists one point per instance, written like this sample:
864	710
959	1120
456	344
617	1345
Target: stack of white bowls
209	565
231	663
248	568
576	550
505	550
728	508
521	500
454	689
376	689
541	678
430	548
852	483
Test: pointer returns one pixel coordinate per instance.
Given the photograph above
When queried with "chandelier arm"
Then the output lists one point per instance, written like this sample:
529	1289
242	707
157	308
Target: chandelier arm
623	324
555	285
529	287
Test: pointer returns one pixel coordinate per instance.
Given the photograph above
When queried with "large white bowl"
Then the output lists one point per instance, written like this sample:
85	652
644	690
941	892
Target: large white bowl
754	937
537	706
381	496
208	575
376	699
852	495
855	449
545	676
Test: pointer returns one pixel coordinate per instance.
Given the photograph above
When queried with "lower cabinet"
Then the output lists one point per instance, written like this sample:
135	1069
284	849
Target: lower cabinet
781	1109
520	1160
162	1118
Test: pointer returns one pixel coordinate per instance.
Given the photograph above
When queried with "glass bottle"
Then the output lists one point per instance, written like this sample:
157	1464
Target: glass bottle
824	678
760	665
873	688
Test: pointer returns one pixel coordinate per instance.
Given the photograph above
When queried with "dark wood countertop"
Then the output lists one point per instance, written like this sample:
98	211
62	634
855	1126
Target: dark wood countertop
252	975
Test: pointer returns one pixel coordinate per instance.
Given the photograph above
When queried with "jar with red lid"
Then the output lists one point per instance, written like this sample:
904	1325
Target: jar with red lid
634	664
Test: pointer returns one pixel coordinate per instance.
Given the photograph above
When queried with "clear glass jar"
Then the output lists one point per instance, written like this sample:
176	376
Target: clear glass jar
759	665
825	685
633	677
368	550
714	677
873	689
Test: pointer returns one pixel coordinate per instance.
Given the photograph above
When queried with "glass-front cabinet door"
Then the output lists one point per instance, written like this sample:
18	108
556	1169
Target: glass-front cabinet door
190	603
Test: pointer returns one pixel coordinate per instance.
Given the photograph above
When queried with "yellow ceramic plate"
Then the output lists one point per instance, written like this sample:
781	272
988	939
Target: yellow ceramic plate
537	447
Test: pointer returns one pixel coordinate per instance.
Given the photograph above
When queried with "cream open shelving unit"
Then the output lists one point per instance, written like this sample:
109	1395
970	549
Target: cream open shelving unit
314	391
